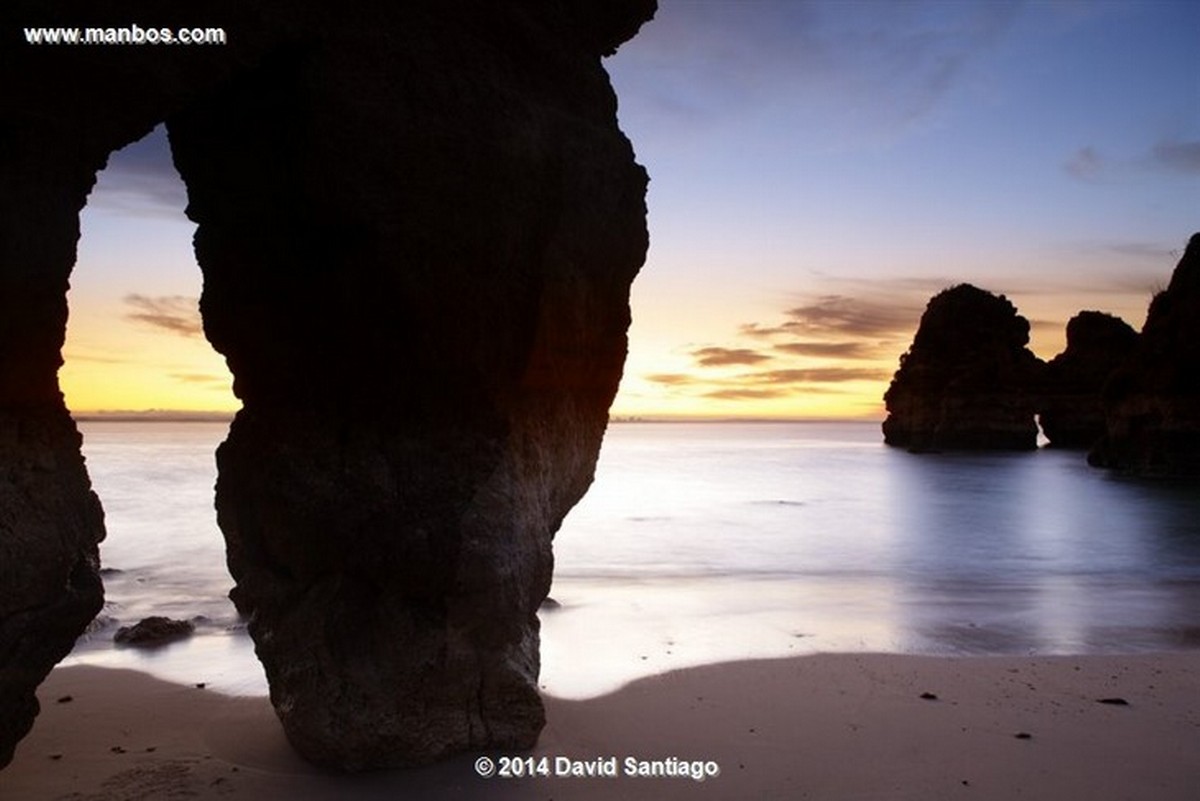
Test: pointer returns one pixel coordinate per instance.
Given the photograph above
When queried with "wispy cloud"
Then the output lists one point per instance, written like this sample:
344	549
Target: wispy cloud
208	380
1084	164
777	378
1046	325
745	393
819	375
821	345
76	356
865	68
933	56
1144	250
1178	156
197	378
768	393
1170	155
849	316
671	379
721	357
869	327
829	350
176	314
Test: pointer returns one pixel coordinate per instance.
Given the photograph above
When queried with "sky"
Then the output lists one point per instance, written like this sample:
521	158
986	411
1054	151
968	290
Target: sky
818	171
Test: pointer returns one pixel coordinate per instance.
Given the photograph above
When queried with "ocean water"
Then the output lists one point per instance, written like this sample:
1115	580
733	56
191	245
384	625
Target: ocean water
704	542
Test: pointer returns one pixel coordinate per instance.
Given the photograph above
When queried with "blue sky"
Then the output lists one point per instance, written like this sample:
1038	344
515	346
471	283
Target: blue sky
818	170
874	153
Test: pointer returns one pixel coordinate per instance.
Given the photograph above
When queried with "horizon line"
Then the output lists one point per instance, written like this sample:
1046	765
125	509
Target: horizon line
187	415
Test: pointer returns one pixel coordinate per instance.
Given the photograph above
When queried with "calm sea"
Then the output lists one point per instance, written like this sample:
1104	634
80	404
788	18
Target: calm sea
703	542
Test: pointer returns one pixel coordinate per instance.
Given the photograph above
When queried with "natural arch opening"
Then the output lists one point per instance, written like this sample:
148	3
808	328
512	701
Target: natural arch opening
417	245
152	401
135	344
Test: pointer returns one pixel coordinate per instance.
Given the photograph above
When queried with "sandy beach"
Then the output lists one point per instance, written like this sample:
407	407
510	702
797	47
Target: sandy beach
850	726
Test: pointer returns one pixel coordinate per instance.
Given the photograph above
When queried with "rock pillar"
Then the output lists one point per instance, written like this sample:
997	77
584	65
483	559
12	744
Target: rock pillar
418	234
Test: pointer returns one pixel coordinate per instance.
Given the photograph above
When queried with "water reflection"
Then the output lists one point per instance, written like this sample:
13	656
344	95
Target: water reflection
709	542
1002	553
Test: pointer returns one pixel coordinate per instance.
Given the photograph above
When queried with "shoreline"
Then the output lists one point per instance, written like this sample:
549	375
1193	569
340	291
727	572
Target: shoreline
818	726
639	626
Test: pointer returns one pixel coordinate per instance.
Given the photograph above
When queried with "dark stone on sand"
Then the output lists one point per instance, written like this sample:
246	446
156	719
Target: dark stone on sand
153	631
967	380
418	224
1152	402
927	696
1070	411
1113	701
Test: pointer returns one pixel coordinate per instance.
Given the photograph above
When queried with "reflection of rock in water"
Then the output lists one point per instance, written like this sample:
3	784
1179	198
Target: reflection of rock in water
966	380
1152	403
418	228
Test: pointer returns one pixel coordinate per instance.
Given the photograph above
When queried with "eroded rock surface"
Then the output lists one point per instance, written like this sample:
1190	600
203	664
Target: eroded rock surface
153	631
1070	412
966	380
418	228
1152	403
50	525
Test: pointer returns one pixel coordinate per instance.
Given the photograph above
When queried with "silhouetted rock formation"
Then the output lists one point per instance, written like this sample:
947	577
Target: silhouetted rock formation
154	630
418	225
965	381
1152	403
1070	411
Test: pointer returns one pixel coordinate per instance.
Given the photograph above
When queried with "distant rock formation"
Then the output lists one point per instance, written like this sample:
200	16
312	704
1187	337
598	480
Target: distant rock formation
1152	402
418	225
1070	411
966	380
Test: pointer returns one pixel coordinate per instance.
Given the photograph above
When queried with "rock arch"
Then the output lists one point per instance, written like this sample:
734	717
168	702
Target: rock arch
417	229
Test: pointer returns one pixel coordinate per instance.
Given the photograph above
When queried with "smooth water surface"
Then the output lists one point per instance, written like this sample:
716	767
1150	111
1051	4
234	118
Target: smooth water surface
702	542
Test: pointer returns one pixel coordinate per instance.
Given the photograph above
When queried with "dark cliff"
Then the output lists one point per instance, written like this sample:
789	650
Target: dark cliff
965	381
1070	412
418	229
1152	402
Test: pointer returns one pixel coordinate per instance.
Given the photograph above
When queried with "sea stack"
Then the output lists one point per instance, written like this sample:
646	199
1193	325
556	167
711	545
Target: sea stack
418	227
1152	402
1070	411
965	382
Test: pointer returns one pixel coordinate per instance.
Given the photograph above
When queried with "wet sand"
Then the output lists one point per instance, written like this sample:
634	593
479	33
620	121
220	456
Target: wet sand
844	726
